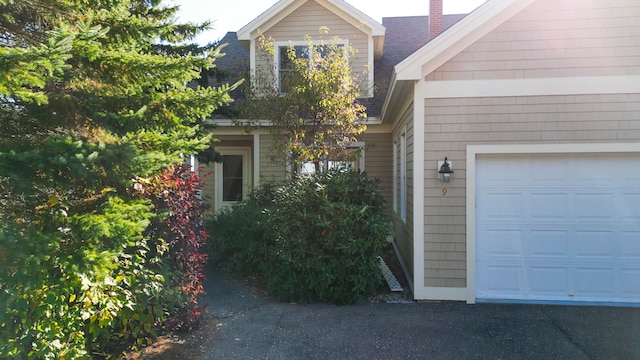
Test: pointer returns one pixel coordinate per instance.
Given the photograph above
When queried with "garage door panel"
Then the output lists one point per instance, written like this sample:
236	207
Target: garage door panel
594	205
564	228
503	279
629	203
593	173
549	243
501	206
502	243
550	205
496	176
630	282
594	244
548	280
549	174
594	282
630	245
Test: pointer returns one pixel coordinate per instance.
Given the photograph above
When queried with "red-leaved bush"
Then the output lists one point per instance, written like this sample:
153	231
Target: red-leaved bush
178	191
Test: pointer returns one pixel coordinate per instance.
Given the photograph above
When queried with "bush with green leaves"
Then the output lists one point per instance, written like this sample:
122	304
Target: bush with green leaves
238	244
75	282
318	240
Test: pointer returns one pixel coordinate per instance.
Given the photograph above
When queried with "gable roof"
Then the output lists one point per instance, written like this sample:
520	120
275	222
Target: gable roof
448	44
404	36
479	23
285	7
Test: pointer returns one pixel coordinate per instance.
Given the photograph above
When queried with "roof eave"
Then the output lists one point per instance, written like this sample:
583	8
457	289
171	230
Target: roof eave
245	32
458	37
344	10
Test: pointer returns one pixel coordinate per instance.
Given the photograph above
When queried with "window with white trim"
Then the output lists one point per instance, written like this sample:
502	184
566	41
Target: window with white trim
283	63
350	157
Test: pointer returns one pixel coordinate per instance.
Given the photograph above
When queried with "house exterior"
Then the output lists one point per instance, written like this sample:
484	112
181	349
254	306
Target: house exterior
535	104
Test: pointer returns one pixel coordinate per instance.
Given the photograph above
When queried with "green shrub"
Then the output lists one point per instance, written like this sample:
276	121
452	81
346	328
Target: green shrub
318	240
238	233
78	284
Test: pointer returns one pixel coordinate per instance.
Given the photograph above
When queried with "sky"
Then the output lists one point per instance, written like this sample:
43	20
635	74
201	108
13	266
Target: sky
231	15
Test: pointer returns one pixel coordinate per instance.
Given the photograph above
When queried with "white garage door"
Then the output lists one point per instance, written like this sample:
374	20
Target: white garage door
558	228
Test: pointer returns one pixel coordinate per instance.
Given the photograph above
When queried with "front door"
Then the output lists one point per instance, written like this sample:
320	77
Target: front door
232	176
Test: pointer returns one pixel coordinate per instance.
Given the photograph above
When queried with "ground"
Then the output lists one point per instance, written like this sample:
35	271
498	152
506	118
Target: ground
179	345
183	345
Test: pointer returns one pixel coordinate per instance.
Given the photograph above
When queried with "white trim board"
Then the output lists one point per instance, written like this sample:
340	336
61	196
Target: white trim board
440	293
285	7
534	87
472	153
420	292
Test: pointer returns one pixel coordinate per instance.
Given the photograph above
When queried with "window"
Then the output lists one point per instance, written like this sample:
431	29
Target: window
232	178
351	157
284	65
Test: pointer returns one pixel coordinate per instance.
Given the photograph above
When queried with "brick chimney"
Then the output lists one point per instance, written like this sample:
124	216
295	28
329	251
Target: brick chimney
436	25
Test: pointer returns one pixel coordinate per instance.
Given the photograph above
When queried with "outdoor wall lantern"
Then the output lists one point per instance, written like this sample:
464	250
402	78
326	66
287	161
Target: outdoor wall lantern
446	172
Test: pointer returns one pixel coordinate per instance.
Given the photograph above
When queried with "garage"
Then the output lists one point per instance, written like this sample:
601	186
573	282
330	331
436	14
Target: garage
558	227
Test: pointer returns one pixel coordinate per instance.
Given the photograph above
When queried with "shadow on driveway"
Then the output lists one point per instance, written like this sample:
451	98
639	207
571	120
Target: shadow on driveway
252	327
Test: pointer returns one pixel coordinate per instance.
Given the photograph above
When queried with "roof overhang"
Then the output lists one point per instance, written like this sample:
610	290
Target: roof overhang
339	7
457	38
450	43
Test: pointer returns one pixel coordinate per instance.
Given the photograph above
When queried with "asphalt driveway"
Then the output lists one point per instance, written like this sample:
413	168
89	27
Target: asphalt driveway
252	327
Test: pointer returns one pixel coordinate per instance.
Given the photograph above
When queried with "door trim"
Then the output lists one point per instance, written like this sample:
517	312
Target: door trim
247	178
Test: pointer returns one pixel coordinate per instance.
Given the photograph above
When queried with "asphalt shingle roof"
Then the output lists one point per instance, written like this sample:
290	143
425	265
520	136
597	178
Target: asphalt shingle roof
404	36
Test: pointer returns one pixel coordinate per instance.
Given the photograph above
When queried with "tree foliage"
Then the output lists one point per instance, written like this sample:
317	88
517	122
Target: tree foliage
316	238
312	107
93	94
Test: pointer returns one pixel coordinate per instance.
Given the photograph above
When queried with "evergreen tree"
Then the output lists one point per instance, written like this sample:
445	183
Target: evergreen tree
93	94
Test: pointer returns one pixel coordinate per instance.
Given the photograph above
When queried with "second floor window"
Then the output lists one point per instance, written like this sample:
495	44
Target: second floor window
285	64
300	50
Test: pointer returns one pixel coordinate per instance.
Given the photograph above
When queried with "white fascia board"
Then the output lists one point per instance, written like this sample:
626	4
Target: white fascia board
458	37
371	68
400	93
391	91
247	31
339	7
378	46
534	87
355	16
